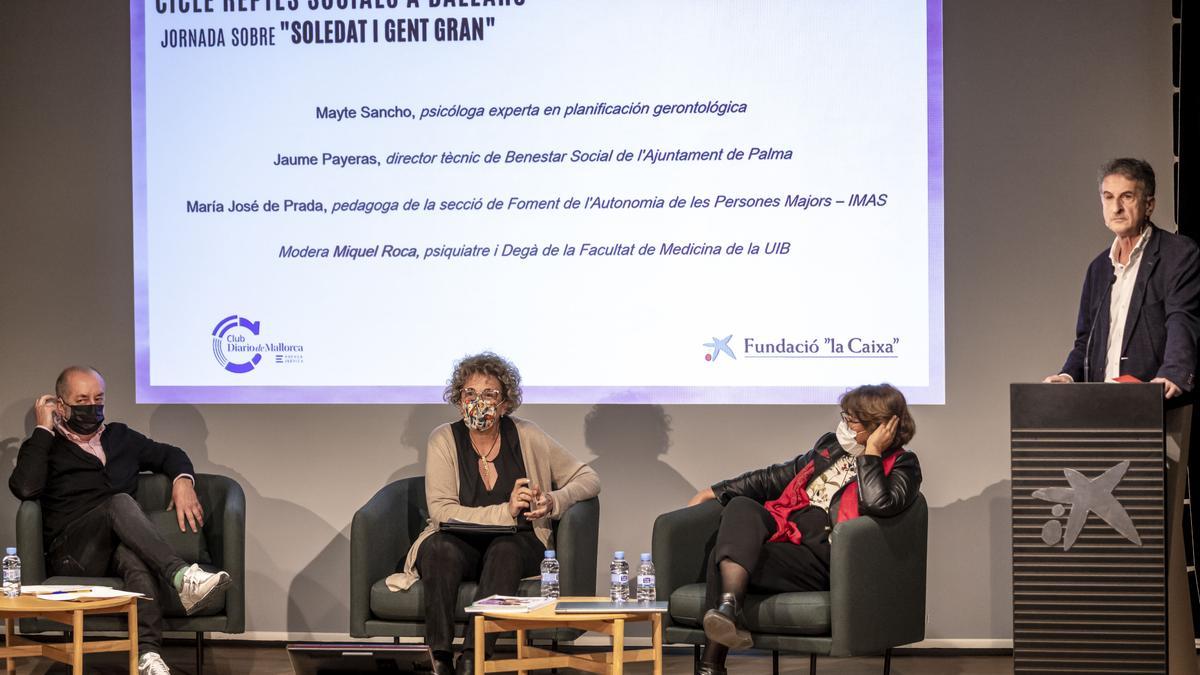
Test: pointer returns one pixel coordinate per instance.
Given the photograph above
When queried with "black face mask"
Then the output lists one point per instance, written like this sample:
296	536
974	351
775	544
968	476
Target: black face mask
85	419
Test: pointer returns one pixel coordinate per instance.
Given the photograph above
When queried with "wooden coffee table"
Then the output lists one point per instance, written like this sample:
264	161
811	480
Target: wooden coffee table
535	658
70	613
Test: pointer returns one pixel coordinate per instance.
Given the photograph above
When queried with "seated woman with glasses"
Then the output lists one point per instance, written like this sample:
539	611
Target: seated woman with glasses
488	468
774	532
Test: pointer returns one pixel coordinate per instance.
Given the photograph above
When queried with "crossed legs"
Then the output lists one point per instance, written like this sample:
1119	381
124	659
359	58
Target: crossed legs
117	537
743	559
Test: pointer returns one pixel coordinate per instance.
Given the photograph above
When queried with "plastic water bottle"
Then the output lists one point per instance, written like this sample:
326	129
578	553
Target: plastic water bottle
549	575
12	573
645	580
619	573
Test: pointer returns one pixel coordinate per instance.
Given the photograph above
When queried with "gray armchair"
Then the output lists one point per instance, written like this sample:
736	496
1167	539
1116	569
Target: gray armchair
384	529
876	599
224	543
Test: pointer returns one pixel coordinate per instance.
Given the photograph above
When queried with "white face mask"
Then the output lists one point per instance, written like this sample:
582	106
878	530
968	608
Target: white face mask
847	438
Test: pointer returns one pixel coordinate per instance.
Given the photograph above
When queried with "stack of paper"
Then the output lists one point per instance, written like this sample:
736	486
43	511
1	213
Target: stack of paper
65	592
509	603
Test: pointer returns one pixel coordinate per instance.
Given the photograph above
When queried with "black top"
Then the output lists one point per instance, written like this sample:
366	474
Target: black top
508	463
69	481
878	494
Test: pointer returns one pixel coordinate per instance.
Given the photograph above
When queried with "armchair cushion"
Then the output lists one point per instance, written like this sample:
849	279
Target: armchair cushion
190	546
171	607
782	613
410	605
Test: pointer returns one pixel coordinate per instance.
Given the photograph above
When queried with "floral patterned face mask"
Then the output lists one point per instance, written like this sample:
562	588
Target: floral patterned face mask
479	414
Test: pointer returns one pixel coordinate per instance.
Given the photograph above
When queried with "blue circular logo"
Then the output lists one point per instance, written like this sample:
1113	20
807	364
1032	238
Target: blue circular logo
230	345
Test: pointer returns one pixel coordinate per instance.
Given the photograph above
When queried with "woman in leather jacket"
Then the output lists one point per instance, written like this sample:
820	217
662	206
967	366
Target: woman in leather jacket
774	533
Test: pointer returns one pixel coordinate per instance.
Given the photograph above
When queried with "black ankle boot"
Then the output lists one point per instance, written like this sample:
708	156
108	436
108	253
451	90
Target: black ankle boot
443	663
706	668
724	624
466	663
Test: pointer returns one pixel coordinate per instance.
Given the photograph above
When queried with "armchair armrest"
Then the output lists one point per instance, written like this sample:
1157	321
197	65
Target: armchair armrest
681	543
877	581
576	544
224	504
30	544
380	535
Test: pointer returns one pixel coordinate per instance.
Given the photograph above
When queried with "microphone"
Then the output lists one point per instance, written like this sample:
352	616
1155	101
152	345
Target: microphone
1087	353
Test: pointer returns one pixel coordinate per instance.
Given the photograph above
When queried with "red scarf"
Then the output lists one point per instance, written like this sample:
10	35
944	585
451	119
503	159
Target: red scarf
795	497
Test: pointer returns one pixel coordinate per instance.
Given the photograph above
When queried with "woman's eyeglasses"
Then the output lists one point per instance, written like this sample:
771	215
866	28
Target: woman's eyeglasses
488	395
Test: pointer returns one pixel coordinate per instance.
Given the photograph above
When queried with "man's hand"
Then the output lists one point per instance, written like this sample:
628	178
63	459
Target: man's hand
881	438
1058	379
702	496
187	506
1169	388
543	505
44	410
521	497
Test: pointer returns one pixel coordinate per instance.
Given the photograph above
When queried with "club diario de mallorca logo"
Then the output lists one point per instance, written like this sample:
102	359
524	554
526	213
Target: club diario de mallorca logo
237	348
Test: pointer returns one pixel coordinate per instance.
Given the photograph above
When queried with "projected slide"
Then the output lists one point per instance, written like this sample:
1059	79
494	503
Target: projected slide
679	201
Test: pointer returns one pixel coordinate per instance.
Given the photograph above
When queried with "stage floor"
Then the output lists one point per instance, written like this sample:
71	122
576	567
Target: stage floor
273	660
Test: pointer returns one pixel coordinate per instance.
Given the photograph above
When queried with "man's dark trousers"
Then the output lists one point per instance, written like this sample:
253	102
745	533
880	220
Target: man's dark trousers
116	538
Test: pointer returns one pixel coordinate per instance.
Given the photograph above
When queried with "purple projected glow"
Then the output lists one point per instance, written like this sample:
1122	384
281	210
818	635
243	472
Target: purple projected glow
713	352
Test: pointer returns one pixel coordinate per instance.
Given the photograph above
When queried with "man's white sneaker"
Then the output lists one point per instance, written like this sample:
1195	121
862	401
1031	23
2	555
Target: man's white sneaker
151	663
202	589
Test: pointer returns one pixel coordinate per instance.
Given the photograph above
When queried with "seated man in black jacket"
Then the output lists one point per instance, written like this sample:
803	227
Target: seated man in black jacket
84	471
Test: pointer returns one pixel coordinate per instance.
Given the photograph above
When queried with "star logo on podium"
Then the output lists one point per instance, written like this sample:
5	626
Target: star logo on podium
1087	495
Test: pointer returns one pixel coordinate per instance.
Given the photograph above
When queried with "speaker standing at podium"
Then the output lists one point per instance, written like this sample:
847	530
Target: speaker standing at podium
1139	317
1140	311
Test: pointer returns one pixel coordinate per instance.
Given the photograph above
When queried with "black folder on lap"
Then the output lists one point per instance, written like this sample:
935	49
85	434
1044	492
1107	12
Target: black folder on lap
458	527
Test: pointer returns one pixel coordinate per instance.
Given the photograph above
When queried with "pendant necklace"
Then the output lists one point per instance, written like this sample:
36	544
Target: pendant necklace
486	458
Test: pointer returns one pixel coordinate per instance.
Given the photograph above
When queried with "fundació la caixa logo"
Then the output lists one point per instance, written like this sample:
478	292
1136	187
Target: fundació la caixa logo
1086	495
229	338
719	346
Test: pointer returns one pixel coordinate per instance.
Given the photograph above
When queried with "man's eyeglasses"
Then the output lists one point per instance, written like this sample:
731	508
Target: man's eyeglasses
488	395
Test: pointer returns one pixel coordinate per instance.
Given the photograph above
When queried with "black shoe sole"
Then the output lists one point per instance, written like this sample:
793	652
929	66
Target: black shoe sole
722	629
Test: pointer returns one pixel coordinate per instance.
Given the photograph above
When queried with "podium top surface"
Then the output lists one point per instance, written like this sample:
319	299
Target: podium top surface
1086	405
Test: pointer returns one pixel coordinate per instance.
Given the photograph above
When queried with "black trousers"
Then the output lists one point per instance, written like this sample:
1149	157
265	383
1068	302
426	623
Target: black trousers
117	539
445	560
774	567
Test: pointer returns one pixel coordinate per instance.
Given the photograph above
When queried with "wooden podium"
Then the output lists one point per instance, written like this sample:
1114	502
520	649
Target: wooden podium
1099	584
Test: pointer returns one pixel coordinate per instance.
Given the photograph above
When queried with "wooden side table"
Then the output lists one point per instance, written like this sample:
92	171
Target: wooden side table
70	613
535	658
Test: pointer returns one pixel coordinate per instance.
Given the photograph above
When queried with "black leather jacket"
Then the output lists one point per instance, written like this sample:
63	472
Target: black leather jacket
878	495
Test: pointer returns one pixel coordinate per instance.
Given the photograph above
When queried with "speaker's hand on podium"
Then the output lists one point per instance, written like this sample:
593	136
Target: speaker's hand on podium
702	496
1169	388
1061	378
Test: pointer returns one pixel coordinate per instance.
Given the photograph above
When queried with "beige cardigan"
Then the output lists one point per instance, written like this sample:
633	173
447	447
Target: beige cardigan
547	464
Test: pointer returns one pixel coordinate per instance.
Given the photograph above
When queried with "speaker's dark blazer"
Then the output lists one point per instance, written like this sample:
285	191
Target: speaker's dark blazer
1163	322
